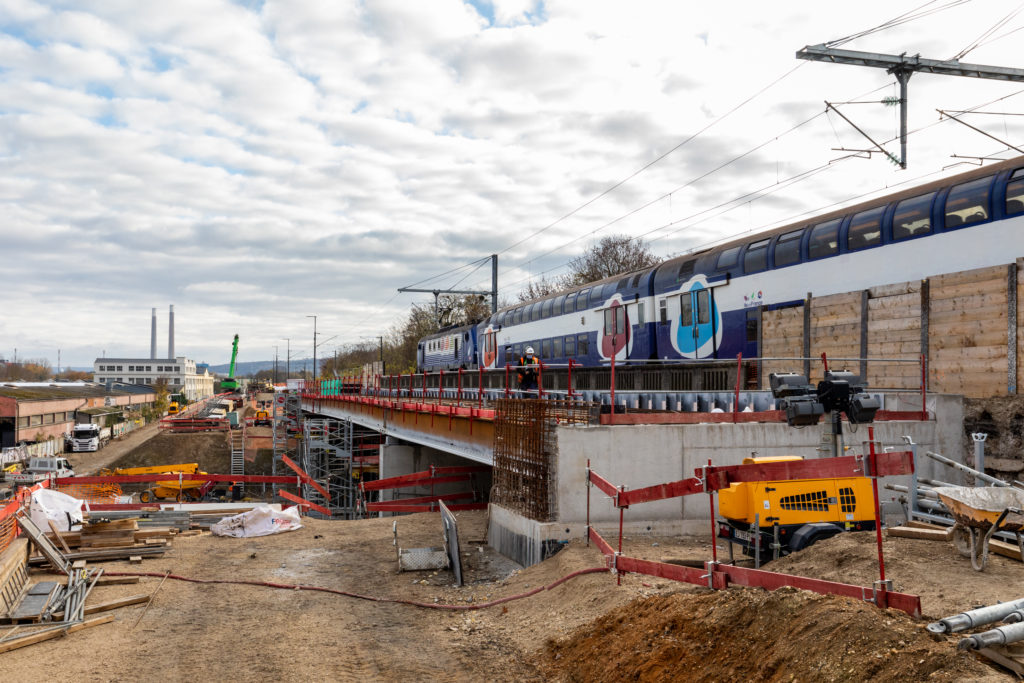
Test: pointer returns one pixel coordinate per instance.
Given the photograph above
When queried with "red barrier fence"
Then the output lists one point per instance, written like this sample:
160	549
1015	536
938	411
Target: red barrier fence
709	479
8	525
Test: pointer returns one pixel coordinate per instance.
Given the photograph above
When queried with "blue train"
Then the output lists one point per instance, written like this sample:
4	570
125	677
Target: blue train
707	305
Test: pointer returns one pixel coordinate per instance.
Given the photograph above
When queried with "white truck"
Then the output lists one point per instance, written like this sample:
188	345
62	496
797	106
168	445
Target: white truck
88	437
41	468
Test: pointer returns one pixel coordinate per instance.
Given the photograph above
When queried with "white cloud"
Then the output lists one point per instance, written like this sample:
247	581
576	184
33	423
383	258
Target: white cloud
255	165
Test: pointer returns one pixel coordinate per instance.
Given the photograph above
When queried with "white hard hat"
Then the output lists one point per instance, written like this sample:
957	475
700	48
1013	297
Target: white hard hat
529	350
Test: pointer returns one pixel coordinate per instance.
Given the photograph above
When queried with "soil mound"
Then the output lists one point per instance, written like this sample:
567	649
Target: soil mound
752	634
209	449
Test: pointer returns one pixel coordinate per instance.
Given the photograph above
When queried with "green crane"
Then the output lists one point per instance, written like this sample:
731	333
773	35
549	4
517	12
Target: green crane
231	384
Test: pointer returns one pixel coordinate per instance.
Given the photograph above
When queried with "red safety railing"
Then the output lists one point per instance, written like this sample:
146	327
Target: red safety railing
396	393
425	503
9	529
713	478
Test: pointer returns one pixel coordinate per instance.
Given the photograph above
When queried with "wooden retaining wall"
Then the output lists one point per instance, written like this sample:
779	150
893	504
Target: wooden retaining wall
968	325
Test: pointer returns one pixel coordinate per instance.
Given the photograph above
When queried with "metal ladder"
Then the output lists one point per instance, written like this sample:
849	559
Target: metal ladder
238	452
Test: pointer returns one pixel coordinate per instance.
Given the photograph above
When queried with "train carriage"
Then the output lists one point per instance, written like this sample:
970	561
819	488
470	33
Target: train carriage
708	305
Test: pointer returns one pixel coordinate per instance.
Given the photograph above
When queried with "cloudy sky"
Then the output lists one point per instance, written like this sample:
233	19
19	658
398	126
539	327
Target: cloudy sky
253	163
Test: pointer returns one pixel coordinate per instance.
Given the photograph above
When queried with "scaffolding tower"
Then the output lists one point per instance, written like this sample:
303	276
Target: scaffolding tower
327	449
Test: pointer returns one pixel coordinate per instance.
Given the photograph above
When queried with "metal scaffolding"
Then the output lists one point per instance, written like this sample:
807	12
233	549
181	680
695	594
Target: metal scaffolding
327	449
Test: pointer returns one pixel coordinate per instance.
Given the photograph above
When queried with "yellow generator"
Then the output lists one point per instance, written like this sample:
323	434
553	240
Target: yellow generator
780	517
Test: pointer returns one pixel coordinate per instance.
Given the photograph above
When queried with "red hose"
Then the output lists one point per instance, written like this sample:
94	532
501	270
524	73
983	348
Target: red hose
414	603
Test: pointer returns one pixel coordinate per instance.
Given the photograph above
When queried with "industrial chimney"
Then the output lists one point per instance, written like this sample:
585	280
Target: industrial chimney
152	338
170	335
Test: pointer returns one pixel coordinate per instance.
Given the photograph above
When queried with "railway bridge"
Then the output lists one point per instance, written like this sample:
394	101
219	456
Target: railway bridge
536	452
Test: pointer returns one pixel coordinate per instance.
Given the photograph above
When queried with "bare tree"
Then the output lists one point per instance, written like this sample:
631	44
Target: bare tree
540	288
614	254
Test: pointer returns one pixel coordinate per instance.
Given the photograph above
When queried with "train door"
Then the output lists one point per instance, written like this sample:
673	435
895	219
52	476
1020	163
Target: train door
697	324
638	317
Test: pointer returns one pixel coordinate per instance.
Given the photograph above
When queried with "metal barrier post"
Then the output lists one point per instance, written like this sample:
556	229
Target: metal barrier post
736	400
540	378
506	378
480	388
570	379
924	386
613	375
458	390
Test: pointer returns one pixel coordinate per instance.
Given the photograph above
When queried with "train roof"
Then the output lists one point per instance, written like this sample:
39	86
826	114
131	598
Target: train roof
885	200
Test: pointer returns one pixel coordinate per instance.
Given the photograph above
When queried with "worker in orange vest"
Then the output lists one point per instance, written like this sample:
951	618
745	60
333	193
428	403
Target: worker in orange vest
527	374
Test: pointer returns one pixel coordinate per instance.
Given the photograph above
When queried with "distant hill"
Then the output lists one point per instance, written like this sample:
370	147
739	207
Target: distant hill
252	367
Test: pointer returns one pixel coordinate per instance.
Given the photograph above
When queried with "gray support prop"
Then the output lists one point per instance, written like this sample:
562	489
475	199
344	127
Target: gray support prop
807	336
976	617
925	309
864	297
1011	329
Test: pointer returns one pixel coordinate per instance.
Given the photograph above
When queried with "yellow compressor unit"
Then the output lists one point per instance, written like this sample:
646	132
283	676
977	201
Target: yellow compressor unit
780	517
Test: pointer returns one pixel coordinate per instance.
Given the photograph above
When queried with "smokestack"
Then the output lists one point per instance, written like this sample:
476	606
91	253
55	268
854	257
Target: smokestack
152	338
170	335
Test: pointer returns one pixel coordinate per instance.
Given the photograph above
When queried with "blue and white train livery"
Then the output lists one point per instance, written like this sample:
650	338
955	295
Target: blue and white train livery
707	305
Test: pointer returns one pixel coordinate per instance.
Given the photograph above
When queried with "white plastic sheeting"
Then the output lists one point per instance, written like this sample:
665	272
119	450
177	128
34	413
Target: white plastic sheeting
65	511
260	521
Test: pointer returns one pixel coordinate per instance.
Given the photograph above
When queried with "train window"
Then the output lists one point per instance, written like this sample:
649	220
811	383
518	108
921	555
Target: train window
824	239
913	217
545	347
1015	192
556	347
582	345
518	352
787	249
570	346
756	258
636	280
865	229
623	283
968	203
581	300
663	311
685	270
559	302
609	320
686	310
548	306
703	306
598	294
535	310
729	258
641	311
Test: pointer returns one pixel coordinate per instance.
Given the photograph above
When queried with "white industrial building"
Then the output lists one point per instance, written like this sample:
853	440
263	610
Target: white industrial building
179	373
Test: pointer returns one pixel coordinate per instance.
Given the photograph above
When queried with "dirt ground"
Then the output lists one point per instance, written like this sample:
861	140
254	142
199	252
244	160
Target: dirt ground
1002	419
587	628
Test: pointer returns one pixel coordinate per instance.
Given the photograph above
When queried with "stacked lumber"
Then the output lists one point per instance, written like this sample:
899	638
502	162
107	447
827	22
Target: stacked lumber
108	534
144	536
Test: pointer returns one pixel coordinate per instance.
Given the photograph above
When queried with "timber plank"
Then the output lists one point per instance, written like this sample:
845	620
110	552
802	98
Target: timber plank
897	289
966	276
34	638
923	534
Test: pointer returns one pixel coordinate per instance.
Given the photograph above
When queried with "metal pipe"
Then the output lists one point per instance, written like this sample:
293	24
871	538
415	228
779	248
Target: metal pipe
1001	635
970	470
928	493
976	617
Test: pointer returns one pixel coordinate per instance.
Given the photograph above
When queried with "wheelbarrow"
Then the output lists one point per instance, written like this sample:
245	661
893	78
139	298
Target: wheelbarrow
980	513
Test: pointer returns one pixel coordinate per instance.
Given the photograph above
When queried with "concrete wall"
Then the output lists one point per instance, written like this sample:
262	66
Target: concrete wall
651	454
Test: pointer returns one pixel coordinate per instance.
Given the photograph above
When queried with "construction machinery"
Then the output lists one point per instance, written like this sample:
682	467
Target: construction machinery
768	519
174	408
231	384
262	418
178	489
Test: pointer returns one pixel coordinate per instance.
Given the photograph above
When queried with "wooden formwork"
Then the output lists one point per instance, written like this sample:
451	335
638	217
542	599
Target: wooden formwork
967	325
